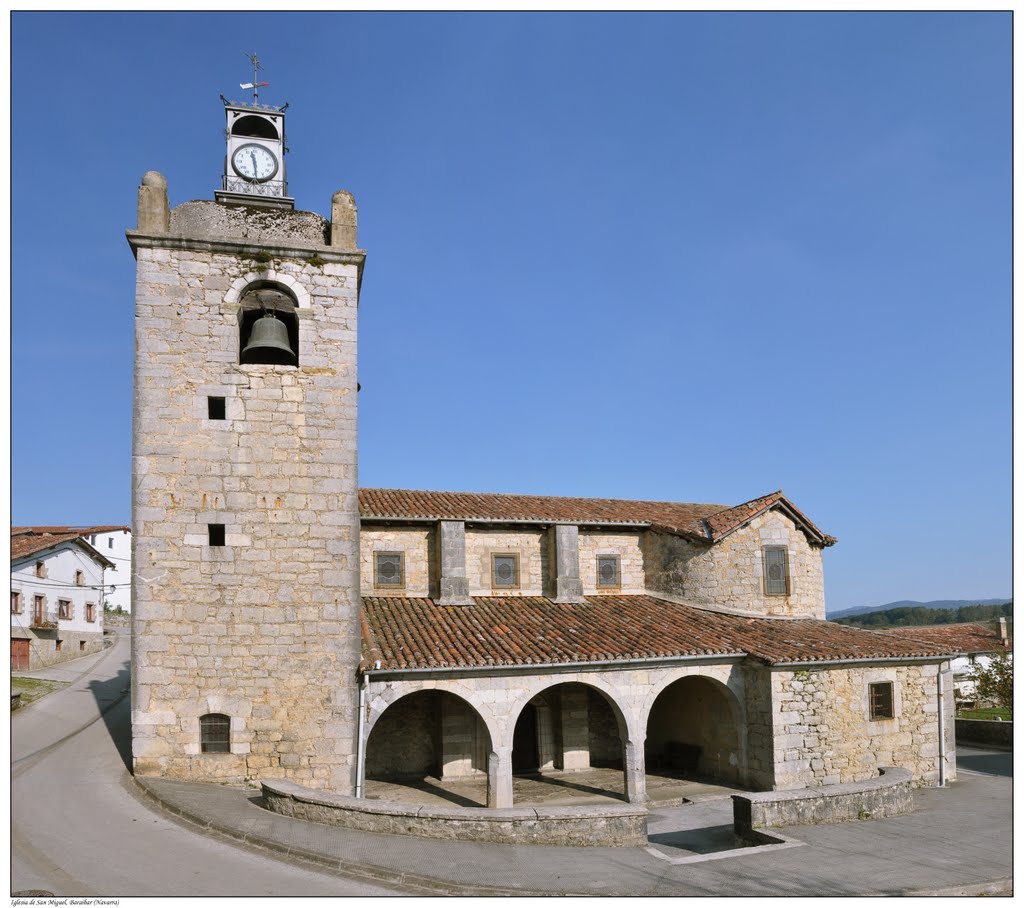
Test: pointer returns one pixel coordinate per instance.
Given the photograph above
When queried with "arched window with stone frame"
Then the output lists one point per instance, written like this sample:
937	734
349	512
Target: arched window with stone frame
215	733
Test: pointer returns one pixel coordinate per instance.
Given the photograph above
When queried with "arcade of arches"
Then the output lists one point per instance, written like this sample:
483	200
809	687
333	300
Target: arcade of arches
442	737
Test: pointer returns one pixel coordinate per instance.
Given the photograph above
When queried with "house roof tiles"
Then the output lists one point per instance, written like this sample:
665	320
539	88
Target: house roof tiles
408	633
957	638
25	545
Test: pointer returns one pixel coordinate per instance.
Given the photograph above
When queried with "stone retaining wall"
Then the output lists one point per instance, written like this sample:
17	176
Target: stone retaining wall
887	796
614	824
985	731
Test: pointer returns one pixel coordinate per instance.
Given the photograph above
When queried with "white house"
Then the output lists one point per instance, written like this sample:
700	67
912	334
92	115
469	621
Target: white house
57	583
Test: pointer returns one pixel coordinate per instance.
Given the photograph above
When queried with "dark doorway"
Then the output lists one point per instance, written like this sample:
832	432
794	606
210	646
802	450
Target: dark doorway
524	742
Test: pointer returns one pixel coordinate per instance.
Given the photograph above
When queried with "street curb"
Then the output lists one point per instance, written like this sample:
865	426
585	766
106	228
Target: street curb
430	885
995	887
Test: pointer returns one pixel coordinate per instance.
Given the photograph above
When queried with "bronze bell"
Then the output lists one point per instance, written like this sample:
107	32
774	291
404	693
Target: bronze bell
268	343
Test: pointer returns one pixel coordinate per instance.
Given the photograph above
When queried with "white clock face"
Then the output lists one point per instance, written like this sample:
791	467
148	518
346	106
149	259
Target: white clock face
254	162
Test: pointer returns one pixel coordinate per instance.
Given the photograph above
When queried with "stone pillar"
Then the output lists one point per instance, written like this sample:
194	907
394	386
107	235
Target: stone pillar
344	217
565	542
635	772
499	778
154	210
458	727
575	728
451	560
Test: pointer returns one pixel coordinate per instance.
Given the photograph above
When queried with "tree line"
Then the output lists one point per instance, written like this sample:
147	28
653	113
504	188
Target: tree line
916	615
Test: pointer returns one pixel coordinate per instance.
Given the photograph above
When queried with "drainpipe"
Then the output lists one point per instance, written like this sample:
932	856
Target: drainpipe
942	728
360	744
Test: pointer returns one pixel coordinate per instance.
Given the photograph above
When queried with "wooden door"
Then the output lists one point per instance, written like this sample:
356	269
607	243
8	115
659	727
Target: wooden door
19	655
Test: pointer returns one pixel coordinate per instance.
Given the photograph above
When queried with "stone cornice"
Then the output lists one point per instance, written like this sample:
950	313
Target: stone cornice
138	240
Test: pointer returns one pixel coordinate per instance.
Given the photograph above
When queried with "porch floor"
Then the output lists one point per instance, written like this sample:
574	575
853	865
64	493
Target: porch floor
564	789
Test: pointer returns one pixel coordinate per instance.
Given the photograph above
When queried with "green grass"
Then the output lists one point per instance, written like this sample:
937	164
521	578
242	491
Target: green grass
33	688
993	712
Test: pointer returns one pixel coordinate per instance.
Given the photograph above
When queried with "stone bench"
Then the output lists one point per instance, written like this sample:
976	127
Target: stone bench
889	795
611	824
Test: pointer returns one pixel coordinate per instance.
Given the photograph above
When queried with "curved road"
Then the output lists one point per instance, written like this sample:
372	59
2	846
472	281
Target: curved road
78	829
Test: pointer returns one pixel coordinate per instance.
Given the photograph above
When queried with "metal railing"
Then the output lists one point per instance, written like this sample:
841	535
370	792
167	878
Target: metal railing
272	188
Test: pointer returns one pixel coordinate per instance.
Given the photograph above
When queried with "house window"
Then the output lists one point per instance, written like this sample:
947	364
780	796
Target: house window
38	609
90	612
505	572
79	578
215	733
15	603
776	570
880	702
81	646
110	542
216	534
389	570
64	608
58	645
40	569
216	408
609	575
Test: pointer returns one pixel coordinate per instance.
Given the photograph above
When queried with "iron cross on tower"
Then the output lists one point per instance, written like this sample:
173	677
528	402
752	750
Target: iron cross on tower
254	84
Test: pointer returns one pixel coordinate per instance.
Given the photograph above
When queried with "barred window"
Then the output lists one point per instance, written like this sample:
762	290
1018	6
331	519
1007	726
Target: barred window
776	570
505	572
608	572
215	733
389	570
880	702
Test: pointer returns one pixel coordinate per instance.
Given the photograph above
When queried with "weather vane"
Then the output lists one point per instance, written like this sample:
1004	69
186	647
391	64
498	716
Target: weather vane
254	84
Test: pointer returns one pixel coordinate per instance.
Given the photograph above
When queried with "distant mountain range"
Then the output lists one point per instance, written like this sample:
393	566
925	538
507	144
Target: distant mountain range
908	603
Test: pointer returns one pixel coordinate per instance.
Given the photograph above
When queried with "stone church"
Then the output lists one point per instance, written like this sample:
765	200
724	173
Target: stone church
289	625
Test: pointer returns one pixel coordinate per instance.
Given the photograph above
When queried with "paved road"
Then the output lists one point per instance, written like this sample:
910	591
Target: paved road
78	829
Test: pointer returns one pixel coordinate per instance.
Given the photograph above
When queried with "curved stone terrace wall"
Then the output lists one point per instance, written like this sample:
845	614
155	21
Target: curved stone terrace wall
607	825
887	796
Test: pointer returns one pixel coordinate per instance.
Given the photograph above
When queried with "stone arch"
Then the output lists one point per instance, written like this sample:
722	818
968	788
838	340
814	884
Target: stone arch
426	732
568	725
270	276
695	725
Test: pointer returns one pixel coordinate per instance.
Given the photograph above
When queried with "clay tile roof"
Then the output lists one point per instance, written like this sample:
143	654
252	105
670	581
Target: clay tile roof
704	521
404	633
957	638
28	544
77	530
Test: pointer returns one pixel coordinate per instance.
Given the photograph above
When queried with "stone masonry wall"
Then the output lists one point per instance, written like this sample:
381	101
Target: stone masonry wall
631	560
265	628
530	545
823	734
418	546
731	572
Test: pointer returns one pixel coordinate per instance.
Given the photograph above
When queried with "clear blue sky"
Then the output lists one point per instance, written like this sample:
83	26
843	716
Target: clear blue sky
691	257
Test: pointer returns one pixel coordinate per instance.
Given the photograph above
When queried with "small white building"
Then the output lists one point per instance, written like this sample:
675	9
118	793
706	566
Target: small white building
57	595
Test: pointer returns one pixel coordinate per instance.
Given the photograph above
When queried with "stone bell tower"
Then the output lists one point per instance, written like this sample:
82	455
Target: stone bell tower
245	617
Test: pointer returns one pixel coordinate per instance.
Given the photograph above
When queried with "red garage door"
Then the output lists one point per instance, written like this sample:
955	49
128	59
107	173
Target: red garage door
19	655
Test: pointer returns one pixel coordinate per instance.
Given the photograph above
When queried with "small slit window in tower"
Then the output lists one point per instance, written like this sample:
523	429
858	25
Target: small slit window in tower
880	700
608	572
215	733
216	534
389	570
776	570
505	572
216	408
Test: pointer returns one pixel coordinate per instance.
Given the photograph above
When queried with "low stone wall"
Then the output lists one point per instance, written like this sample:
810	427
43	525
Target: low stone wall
887	796
614	824
985	731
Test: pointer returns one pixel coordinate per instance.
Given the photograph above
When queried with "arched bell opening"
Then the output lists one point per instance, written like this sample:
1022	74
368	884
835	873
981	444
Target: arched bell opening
254	127
429	745
268	326
693	732
568	741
